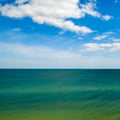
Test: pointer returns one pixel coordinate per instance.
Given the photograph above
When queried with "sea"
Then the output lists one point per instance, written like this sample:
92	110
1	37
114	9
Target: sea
59	94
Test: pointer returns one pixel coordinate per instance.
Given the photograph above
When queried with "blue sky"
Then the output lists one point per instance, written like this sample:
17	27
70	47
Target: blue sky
59	34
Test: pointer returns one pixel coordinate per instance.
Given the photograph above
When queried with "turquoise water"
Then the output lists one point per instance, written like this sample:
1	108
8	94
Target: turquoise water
59	94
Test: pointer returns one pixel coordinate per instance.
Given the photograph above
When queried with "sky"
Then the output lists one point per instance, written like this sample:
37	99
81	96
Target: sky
59	34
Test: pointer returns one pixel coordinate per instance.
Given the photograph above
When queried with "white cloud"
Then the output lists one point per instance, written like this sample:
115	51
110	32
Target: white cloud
24	56
103	36
107	17
107	47
38	56
89	9
53	12
115	39
35	51
100	37
92	47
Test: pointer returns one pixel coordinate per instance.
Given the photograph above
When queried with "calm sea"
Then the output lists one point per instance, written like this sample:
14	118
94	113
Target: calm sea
51	94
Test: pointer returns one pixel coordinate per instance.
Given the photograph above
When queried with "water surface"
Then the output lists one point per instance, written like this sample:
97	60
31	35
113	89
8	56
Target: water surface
59	94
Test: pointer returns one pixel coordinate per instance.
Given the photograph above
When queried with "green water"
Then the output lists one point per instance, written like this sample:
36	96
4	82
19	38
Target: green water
59	94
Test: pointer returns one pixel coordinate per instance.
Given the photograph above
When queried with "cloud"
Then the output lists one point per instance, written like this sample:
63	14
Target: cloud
106	17
35	51
37	56
53	12
24	56
103	36
89	9
115	39
107	47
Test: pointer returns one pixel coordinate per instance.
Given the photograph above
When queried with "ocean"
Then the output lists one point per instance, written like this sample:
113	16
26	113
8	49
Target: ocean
59	94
